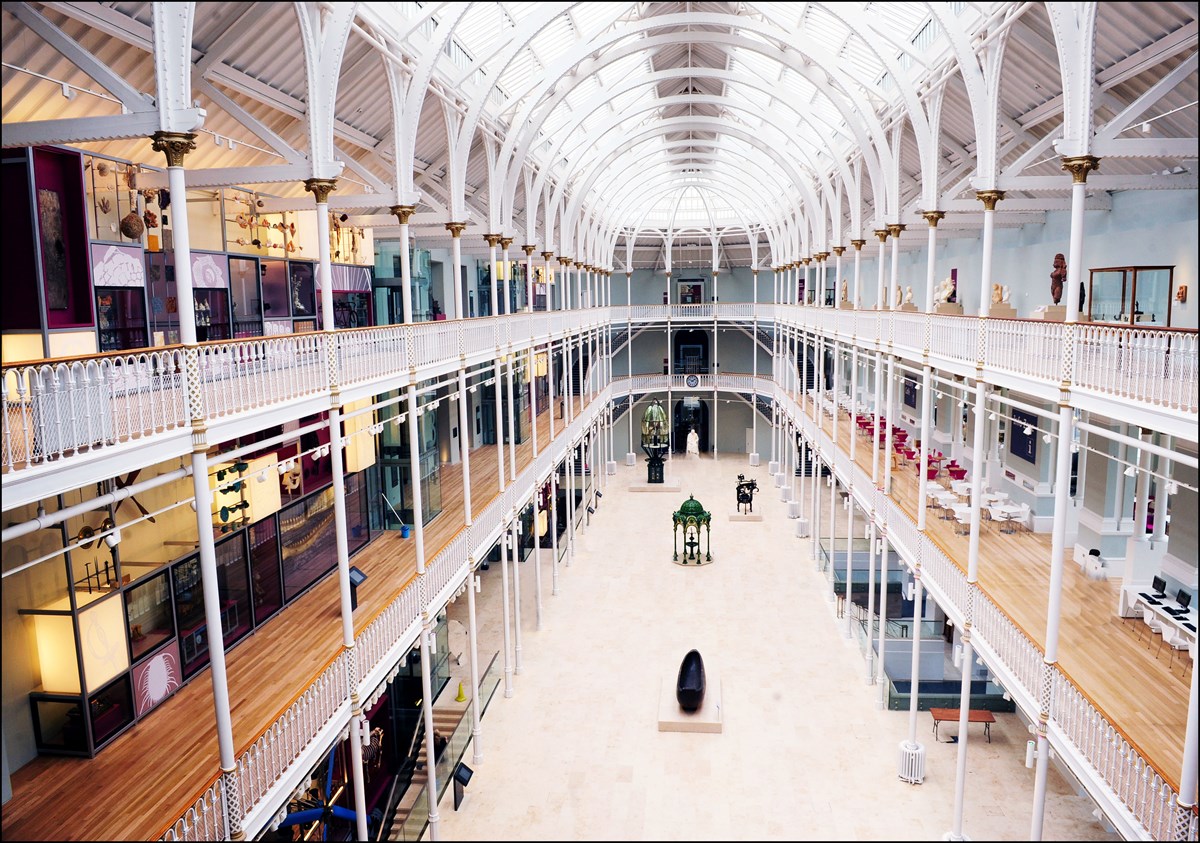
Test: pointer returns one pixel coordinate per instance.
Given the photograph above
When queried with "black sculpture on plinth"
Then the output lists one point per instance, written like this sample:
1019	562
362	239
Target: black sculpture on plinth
745	493
689	687
655	441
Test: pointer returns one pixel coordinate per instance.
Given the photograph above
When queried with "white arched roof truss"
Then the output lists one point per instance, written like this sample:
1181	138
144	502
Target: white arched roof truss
582	113
618	143
857	111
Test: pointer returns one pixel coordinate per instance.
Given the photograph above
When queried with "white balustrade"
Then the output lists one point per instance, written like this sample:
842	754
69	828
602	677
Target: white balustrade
908	331
954	338
1031	348
1144	364
282	743
205	820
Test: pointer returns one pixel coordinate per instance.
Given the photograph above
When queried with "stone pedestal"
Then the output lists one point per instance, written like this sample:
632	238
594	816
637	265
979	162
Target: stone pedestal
754	459
631	459
707	718
1051	313
1002	310
948	308
908	308
845	305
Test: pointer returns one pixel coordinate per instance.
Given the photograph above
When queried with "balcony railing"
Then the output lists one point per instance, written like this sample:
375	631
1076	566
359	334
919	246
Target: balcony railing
1079	731
55	409
304	729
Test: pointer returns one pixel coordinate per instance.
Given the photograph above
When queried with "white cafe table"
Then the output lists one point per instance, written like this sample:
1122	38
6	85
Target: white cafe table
961	488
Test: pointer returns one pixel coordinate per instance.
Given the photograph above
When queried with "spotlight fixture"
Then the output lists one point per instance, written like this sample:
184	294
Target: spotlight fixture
1129	471
1046	438
1171	489
600	494
1028	430
591	511
991	416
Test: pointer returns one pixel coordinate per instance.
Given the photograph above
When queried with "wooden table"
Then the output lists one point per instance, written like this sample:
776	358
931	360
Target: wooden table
974	715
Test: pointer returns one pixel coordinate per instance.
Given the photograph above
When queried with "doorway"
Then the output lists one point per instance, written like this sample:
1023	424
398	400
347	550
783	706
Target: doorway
690	412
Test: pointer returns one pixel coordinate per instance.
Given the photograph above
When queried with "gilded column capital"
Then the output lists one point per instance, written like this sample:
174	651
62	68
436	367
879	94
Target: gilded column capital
895	228
175	145
565	261
806	261
505	242
456	229
320	189
989	198
1079	166
493	240
933	217
547	256
839	250
529	249
822	256
882	234
403	213
858	244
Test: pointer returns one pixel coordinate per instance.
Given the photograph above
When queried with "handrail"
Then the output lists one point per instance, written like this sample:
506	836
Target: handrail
272	753
1076	718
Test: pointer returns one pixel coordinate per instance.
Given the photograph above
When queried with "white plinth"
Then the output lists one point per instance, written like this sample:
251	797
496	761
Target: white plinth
754	459
668	485
631	459
793	509
780	479
1002	310
802	527
745	516
610	467
708	718
773	467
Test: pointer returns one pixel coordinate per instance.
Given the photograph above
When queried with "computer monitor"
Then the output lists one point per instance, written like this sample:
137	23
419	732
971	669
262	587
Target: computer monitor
1184	598
1159	586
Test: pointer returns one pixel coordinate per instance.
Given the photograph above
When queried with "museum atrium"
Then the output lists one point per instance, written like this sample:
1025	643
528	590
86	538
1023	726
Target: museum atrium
919	271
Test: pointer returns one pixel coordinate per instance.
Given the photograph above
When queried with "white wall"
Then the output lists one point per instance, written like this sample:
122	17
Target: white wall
1150	227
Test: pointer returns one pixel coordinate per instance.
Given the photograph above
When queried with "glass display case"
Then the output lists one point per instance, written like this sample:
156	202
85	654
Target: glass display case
148	613
121	318
1131	295
245	298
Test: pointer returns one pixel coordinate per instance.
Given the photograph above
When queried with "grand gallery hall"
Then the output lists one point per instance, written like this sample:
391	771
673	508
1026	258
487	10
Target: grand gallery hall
759	421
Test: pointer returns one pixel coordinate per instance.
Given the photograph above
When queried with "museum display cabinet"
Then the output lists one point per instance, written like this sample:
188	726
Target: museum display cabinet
1131	295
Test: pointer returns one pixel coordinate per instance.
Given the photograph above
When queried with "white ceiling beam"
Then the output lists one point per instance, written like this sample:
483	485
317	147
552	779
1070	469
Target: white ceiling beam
1098	201
84	129
230	176
242	25
1179	41
1157	91
264	133
1100	181
1183	148
105	76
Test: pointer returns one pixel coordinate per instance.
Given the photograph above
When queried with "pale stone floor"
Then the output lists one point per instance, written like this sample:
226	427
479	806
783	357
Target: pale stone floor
806	753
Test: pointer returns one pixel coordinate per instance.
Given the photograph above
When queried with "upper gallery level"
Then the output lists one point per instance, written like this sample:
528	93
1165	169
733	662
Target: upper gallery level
70	419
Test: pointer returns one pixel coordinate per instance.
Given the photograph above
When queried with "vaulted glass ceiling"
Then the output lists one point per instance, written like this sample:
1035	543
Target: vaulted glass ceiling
691	102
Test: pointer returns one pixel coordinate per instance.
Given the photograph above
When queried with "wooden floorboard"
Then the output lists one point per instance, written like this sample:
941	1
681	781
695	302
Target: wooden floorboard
146	778
1098	650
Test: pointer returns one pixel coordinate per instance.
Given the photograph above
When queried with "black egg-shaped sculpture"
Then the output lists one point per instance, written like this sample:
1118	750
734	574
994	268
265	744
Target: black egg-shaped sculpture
689	687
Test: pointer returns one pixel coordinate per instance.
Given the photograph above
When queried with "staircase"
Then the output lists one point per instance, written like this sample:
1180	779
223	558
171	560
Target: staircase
445	722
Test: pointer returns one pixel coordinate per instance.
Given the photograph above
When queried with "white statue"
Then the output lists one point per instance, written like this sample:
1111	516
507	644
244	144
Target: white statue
908	294
896	297
1007	291
693	443
944	291
845	291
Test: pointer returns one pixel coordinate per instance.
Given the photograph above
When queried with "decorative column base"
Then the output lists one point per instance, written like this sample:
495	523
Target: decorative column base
631	459
949	835
754	458
610	467
802	528
912	763
780	480
785	491
793	509
772	467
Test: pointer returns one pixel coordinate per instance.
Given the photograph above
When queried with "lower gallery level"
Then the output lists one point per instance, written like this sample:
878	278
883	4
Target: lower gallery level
806	751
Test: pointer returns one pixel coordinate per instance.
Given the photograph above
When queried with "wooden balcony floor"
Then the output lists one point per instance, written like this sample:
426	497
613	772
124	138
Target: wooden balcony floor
146	778
1098	650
